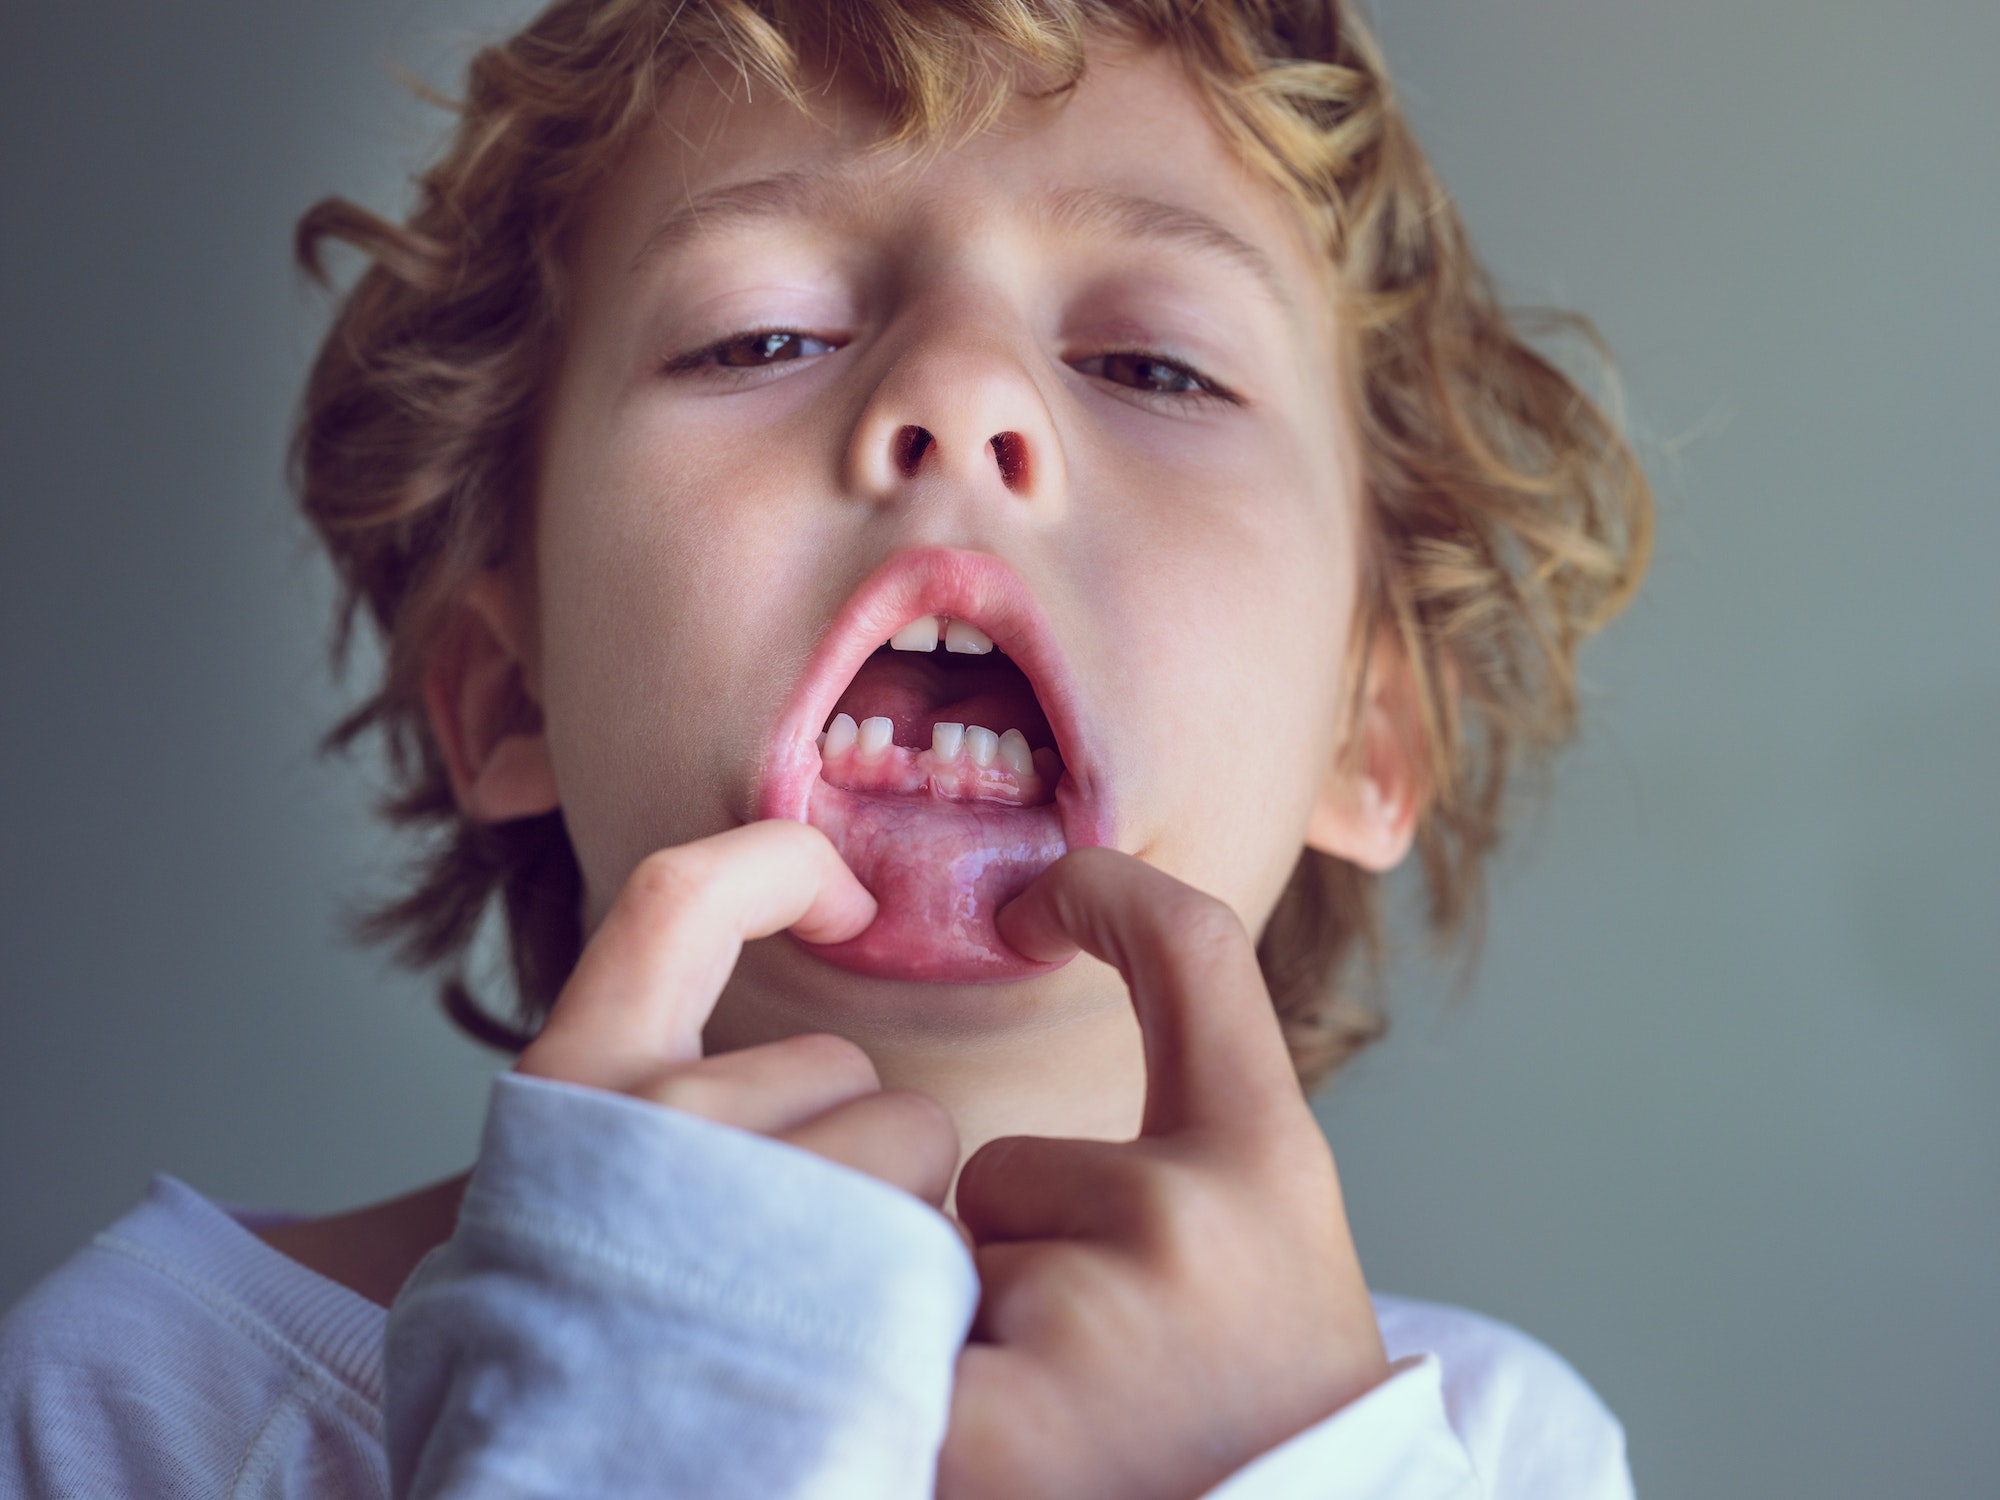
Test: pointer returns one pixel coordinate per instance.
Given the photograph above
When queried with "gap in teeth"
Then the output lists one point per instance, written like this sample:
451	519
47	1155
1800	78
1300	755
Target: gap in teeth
960	636
965	762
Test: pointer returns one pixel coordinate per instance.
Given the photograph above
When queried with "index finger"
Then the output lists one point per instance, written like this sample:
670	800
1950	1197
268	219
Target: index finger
652	972
1214	1052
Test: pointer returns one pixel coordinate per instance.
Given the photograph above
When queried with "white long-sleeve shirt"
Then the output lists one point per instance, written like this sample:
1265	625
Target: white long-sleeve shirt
638	1302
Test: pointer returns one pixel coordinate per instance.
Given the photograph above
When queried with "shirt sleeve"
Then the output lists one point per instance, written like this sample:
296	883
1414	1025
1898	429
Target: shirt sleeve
1488	1414
640	1301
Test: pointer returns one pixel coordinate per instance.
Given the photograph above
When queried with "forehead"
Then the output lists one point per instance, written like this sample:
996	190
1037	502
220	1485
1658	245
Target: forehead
1131	152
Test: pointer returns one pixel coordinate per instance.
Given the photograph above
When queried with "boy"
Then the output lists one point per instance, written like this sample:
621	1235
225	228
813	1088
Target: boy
904	534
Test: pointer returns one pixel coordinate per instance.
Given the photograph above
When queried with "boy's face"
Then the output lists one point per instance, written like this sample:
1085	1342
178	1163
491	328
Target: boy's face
1074	383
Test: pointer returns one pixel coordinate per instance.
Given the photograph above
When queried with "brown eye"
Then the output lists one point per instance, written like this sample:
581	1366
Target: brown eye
1145	372
772	348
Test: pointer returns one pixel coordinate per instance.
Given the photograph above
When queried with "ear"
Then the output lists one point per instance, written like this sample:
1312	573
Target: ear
487	722
1376	788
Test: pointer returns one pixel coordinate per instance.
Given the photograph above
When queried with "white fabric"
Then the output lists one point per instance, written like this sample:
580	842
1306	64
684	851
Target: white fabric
638	1302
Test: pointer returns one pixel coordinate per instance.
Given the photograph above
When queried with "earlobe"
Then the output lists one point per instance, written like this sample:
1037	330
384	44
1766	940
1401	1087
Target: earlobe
487	723
1369	802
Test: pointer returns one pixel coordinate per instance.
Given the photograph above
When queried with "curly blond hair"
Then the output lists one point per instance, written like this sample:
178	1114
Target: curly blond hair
1506	518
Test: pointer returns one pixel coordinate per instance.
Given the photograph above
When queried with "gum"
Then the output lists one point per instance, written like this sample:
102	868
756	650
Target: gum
898	770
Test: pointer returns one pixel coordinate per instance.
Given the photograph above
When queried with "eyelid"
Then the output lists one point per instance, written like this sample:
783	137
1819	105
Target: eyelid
704	356
1211	389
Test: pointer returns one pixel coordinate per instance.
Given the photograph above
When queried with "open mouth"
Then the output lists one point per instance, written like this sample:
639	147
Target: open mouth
935	740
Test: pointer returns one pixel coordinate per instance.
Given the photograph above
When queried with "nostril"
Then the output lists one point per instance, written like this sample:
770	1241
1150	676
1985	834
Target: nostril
911	445
1010	452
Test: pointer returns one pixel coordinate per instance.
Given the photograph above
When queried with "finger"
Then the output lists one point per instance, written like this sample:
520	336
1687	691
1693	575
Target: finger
1025	1187
1214	1053
1048	1296
898	1136
1014	1431
991	1390
651	973
770	1088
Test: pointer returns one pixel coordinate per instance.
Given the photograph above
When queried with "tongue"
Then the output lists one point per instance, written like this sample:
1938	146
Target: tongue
915	691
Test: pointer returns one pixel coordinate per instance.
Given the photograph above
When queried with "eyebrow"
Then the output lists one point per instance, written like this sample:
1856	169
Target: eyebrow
784	195
1090	210
1103	211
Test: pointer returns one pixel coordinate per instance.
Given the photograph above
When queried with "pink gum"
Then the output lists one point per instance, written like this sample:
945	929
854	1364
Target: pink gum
901	770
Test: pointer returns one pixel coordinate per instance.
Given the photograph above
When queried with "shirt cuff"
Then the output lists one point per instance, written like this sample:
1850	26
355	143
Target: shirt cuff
1393	1443
636	1295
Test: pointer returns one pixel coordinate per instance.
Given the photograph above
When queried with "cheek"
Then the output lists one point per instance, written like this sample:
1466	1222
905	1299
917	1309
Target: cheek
655	674
1236	591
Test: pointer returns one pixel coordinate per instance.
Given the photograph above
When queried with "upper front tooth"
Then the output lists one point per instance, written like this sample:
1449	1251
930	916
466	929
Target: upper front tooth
967	640
874	737
946	740
919	635
982	744
1015	754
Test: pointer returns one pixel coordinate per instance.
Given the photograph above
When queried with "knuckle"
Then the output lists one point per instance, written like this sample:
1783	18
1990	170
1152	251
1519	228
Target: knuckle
1168	1207
835	1057
922	1128
993	1165
690	1091
667	878
925	1119
1200	921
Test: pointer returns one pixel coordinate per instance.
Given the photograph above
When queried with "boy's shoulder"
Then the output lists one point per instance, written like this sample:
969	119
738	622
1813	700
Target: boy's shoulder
1530	1423
174	1355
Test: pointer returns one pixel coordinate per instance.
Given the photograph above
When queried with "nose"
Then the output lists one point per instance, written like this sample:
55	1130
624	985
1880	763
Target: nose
958	409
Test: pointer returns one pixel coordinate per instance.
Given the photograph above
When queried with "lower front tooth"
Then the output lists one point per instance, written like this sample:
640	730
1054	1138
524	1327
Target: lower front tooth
874	737
840	735
1015	754
982	745
947	740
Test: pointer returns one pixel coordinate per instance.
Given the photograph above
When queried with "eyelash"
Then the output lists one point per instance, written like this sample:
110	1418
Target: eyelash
710	355
1199	388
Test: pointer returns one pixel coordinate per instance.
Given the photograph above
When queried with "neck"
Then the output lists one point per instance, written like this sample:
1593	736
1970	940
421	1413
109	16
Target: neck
1082	1078
1080	1074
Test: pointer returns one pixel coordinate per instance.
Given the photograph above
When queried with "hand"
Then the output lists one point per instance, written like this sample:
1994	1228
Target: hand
1157	1313
630	1018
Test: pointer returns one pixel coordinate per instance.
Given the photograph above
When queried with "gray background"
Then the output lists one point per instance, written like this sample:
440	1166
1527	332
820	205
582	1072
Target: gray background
1716	1117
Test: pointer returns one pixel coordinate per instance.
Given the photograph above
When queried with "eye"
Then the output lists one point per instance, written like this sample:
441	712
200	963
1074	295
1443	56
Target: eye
1150	374
750	351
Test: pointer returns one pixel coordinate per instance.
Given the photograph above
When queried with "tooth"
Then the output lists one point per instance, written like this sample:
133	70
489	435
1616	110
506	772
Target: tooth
981	744
918	635
839	735
1015	754
947	740
875	736
966	640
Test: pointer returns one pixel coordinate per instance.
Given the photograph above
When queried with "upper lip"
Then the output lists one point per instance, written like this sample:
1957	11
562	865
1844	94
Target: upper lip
972	586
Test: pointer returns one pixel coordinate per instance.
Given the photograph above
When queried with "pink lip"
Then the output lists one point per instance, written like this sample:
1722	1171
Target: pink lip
938	924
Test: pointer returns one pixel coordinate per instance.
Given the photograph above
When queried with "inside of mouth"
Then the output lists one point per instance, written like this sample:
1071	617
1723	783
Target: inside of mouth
941	724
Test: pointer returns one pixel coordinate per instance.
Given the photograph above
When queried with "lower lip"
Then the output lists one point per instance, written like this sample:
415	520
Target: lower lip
939	871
